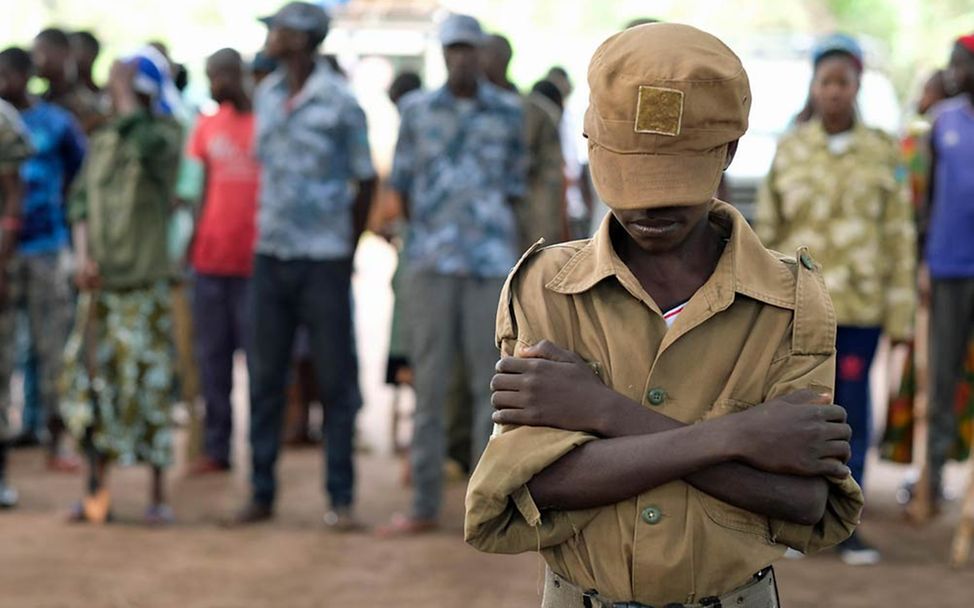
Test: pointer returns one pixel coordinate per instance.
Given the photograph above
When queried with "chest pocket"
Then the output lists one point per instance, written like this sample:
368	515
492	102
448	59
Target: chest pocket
724	514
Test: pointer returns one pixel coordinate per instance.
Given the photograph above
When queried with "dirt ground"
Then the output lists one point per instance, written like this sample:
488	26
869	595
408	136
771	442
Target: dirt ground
294	561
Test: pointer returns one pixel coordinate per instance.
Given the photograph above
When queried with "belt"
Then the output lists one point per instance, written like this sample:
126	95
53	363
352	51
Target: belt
760	592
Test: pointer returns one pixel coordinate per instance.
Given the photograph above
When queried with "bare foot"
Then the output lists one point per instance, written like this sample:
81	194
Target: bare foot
402	526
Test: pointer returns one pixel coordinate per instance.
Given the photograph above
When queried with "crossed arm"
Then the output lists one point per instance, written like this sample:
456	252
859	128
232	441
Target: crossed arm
771	459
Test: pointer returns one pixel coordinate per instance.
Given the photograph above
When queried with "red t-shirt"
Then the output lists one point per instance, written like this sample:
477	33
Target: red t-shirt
225	235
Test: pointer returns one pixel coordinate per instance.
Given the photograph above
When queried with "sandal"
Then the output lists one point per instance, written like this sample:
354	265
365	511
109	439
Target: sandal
159	516
405	526
89	510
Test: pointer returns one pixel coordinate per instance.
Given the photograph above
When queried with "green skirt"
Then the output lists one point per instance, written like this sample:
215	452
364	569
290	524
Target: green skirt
118	380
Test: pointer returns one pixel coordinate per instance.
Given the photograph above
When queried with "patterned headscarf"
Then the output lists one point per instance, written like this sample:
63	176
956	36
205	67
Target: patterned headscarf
152	78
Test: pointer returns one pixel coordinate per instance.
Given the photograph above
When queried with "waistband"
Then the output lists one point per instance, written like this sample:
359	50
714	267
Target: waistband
760	592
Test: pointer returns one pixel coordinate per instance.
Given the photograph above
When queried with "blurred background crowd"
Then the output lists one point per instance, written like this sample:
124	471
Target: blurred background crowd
183	184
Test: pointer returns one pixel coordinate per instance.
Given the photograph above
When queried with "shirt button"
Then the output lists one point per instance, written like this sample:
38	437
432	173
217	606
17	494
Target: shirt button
656	396
807	262
652	515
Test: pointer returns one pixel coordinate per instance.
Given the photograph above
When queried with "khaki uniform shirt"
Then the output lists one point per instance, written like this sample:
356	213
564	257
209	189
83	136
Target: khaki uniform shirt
760	327
854	215
124	192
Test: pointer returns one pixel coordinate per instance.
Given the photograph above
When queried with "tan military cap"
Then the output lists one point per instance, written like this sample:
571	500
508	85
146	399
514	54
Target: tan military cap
665	100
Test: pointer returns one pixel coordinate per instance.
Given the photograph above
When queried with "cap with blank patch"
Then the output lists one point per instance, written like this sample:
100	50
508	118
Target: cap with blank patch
665	101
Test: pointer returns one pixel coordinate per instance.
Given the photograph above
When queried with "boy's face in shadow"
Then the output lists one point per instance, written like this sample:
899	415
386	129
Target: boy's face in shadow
661	229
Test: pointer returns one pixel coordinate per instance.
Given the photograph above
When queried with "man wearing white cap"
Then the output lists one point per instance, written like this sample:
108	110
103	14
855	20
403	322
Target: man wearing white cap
460	167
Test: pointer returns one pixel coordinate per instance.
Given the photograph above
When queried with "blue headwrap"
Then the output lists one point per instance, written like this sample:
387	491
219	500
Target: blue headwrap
152	78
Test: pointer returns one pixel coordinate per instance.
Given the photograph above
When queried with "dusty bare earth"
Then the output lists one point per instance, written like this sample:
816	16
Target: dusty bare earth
45	562
295	562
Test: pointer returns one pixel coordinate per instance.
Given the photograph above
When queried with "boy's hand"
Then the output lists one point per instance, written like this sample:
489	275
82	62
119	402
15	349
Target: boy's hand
547	386
797	434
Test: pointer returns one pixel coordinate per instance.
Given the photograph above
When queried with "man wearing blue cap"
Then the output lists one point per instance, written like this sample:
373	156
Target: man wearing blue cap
460	167
316	189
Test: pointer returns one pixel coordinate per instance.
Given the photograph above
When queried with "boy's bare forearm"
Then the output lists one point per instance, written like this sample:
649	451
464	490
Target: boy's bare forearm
790	497
607	471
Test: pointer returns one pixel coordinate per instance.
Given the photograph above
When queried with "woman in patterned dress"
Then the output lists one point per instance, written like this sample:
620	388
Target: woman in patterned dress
118	377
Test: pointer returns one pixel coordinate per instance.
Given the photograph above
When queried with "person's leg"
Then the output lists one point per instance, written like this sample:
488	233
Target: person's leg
855	349
32	420
272	320
215	332
459	418
327	313
432	311
479	310
951	318
49	310
8	324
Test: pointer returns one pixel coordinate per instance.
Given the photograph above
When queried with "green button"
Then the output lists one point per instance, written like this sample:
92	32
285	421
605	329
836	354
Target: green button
652	515
656	396
807	261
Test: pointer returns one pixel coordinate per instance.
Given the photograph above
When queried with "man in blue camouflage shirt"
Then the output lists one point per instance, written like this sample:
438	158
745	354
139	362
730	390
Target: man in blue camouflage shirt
316	188
460	167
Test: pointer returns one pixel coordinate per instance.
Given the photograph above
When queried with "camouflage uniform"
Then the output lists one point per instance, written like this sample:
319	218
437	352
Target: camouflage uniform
854	215
14	150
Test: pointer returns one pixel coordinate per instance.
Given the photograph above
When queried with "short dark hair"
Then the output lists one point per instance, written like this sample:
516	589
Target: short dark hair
549	90
18	59
315	40
55	36
558	71
180	78
404	82
87	40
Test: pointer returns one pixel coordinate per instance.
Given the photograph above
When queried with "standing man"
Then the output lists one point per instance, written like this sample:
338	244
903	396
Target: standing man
316	189
38	277
543	213
950	252
84	50
223	248
54	64
14	150
459	166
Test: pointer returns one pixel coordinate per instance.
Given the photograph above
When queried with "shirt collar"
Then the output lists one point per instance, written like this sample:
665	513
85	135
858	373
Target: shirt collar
745	267
484	98
317	83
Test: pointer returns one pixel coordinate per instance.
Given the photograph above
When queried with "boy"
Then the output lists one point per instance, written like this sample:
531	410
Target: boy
683	485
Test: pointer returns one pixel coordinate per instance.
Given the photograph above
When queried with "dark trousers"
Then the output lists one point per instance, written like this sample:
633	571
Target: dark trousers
316	294
220	325
855	349
951	324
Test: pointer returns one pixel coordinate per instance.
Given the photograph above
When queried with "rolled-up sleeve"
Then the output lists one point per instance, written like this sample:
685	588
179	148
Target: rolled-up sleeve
501	515
842	511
